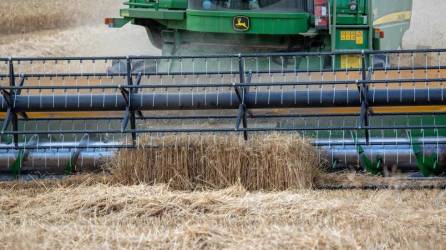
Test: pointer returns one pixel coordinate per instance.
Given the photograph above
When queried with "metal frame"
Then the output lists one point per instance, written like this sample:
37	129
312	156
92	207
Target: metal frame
132	96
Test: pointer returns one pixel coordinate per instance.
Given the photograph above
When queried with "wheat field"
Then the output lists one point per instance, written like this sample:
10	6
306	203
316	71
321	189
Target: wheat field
91	215
203	193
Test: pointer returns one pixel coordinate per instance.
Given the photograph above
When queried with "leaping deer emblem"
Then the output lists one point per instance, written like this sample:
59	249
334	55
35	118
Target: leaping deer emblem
241	24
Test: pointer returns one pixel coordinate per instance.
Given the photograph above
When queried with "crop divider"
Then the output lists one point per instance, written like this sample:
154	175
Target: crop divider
22	156
427	164
71	166
371	166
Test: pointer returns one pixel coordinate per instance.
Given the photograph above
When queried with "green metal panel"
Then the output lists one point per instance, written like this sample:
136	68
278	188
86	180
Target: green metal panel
173	4
351	20
271	23
161	4
173	16
343	7
153	14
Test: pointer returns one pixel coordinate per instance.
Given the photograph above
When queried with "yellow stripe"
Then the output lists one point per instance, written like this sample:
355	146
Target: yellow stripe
67	114
394	18
407	109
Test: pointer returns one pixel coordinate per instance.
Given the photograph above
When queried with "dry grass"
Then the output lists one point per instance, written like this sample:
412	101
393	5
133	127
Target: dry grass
103	216
96	212
42	185
351	179
21	16
271	162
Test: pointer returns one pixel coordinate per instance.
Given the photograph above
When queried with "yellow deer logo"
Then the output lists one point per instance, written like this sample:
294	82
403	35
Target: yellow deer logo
241	23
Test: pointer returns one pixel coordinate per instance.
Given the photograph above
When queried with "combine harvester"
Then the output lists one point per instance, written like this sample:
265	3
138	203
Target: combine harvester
327	70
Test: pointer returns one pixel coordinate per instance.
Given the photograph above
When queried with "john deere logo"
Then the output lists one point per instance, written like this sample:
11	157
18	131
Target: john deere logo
241	23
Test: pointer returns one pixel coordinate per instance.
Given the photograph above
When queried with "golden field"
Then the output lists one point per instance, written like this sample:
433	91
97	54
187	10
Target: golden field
204	193
88	215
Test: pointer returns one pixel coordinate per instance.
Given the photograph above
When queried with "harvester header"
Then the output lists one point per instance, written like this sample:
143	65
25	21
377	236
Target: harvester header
74	113
313	68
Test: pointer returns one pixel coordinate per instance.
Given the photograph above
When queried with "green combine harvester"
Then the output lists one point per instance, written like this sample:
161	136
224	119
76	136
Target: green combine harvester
200	27
330	71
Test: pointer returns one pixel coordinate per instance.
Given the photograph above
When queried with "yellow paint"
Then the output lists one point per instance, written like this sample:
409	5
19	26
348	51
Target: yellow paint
340	111
273	111
394	18
241	23
350	61
357	36
34	115
347	36
417	109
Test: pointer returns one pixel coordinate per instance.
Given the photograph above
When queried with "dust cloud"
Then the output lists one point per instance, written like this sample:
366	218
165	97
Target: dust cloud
427	28
93	38
67	28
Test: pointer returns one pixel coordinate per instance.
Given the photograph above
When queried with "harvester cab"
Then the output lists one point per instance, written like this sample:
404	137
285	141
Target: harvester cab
203	27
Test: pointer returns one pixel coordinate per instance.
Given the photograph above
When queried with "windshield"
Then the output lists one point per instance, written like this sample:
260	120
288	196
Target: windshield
258	5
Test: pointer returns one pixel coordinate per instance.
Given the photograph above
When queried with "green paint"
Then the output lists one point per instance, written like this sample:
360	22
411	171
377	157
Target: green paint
428	164
280	23
16	166
343	7
71	165
6	139
186	18
153	14
163	4
373	167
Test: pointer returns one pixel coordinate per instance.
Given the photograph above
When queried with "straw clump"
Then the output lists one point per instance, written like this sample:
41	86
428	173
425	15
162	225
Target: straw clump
268	162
